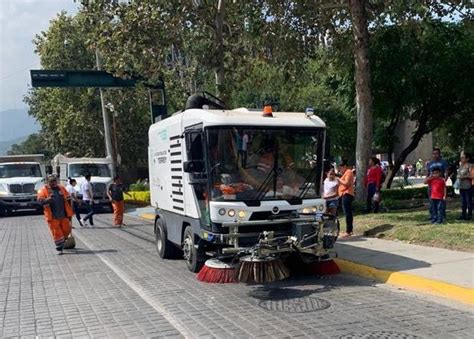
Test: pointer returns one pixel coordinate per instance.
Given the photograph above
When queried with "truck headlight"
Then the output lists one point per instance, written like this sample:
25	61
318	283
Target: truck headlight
3	189
231	213
38	185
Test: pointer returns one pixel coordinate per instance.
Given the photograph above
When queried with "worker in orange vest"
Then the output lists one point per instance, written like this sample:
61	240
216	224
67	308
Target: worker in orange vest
56	203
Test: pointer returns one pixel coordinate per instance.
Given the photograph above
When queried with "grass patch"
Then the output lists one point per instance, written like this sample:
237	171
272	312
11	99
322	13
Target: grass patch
139	198
413	226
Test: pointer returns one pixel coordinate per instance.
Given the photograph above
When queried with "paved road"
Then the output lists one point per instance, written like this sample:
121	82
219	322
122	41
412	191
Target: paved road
114	285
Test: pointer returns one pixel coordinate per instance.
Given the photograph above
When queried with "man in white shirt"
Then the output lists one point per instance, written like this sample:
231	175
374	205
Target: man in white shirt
87	198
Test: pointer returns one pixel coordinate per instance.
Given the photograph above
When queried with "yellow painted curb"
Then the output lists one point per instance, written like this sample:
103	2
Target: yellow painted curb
409	281
147	216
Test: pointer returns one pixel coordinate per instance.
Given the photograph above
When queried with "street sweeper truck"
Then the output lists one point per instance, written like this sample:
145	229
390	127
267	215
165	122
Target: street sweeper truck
239	188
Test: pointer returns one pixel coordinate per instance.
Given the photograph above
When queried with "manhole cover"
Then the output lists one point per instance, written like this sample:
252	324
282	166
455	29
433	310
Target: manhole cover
295	305
379	335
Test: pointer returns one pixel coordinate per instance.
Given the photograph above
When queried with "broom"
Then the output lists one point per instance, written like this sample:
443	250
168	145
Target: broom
261	270
322	267
217	271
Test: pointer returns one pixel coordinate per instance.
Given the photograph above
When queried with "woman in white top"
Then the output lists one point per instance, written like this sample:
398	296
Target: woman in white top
330	192
75	200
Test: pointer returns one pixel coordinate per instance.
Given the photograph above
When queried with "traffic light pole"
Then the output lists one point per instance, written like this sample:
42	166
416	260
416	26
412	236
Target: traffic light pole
105	117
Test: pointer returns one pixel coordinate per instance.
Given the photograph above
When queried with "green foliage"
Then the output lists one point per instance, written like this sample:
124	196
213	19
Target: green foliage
34	144
71	119
140	186
141	198
410	193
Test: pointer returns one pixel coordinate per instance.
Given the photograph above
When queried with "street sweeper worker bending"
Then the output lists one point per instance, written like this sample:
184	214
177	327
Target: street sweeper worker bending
57	210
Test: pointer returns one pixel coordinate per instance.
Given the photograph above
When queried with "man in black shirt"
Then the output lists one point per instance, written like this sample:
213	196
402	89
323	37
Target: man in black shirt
115	194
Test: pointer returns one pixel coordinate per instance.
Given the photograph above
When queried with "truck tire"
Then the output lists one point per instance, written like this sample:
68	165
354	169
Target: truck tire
165	248
193	256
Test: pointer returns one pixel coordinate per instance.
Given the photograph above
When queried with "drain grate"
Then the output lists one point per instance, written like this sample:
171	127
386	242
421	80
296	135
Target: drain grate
295	305
379	335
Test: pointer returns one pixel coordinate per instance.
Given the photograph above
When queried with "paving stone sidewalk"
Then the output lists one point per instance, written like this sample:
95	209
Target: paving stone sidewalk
74	295
116	286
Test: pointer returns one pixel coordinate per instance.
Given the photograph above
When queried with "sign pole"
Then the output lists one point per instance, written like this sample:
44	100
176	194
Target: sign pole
108	139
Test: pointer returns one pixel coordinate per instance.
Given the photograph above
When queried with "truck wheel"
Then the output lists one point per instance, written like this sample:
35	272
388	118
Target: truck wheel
165	248
192	255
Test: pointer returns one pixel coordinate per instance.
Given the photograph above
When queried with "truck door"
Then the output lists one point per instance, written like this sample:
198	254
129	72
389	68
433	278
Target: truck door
197	205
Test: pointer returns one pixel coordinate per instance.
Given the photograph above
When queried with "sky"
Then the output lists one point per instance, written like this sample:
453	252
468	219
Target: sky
20	21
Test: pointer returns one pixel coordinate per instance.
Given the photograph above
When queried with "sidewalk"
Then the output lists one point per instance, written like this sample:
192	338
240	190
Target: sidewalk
438	271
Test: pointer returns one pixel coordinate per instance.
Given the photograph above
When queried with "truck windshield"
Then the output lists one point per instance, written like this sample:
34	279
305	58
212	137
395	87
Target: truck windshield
20	170
96	170
255	163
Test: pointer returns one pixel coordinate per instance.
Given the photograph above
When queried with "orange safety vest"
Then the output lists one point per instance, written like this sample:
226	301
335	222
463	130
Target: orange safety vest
46	192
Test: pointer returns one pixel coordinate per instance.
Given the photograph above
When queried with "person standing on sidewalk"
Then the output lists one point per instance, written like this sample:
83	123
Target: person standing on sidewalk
57	210
437	188
373	183
330	192
74	199
346	192
436	162
465	186
115	194
88	199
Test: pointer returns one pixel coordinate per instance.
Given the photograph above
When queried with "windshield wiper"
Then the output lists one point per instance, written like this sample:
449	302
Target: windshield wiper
308	181
270	178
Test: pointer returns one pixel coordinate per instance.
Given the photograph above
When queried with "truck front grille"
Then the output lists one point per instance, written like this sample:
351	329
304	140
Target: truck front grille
98	187
19	189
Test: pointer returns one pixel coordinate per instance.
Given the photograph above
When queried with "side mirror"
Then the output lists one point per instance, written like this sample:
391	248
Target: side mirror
193	166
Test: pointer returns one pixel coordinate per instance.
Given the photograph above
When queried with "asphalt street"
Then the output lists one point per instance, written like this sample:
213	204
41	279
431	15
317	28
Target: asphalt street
115	285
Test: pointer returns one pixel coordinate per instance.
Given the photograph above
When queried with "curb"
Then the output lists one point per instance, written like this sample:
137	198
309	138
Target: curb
409	281
147	216
405	280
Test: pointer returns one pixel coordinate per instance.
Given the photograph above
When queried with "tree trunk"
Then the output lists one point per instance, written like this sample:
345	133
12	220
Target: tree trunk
420	132
363	94
219	71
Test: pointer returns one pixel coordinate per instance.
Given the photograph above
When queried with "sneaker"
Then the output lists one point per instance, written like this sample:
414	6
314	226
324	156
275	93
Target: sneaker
84	223
80	223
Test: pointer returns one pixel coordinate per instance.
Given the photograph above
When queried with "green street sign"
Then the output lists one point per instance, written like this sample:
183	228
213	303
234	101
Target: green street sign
65	78
91	78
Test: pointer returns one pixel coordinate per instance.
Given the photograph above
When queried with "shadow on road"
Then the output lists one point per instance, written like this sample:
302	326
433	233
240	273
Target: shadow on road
87	251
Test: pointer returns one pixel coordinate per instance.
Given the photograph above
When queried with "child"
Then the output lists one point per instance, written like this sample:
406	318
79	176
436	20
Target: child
330	192
438	195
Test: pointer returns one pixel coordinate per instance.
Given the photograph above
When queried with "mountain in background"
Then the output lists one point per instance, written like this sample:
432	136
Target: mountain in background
15	126
16	123
5	146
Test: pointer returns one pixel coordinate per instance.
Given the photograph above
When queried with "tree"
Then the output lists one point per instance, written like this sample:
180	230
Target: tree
34	144
71	118
418	72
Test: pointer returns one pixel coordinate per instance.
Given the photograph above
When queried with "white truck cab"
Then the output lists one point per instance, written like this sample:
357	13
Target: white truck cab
76	168
222	179
21	176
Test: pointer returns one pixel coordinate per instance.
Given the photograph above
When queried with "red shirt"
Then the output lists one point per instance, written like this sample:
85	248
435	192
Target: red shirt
437	186
374	176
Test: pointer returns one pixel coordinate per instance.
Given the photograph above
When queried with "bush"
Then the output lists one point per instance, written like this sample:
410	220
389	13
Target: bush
140	186
410	193
137	197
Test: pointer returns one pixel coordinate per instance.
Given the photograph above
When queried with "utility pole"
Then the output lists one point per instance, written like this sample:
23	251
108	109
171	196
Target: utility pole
108	139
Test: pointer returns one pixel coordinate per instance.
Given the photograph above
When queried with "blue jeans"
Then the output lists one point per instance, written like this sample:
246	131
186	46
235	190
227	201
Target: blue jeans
371	190
347	200
438	211
90	211
466	199
75	207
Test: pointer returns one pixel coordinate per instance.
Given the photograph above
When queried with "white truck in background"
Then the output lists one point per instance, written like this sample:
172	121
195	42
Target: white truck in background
21	176
77	168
